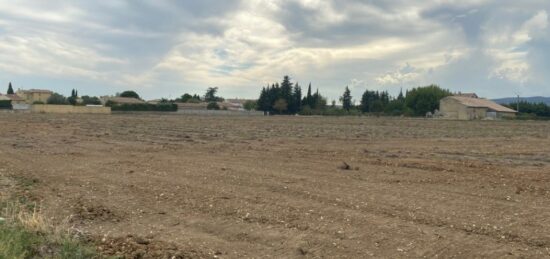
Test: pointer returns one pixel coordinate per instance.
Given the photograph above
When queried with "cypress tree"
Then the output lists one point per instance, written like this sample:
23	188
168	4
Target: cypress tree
297	98
10	89
309	97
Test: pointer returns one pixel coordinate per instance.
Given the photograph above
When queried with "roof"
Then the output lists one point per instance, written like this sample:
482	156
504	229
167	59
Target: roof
124	100
192	106
480	103
42	91
4	98
14	97
240	101
230	105
471	95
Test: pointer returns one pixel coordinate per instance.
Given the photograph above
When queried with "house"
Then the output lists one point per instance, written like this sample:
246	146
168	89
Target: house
34	95
461	107
231	106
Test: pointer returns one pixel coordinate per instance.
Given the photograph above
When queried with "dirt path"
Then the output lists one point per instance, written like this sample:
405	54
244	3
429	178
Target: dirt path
222	187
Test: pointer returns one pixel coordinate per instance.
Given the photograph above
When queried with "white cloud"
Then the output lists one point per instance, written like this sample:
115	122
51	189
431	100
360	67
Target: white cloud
241	45
506	47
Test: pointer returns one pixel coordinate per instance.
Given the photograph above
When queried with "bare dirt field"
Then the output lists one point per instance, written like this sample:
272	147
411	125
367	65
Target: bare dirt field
158	186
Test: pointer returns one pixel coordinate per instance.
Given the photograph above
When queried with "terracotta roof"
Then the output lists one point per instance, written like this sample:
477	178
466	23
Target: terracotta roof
124	100
471	95
37	91
15	97
481	103
192	106
240	101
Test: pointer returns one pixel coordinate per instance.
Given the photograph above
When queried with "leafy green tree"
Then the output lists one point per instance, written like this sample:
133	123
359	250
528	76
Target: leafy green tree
280	105
425	99
346	99
318	101
185	98
10	89
56	98
90	100
270	96
535	109
130	94
210	95
249	105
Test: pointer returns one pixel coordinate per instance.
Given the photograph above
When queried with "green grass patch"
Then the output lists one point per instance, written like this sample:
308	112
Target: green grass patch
25	232
18	243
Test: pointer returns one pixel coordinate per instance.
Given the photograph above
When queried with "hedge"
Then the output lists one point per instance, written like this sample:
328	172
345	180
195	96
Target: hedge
5	104
161	107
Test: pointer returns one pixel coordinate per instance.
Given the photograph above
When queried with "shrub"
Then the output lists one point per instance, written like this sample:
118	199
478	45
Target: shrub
56	98
87	100
249	105
213	106
5	104
161	107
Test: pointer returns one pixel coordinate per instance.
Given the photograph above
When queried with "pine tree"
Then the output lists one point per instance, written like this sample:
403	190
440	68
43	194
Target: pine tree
10	89
263	102
286	93
400	97
367	101
346	99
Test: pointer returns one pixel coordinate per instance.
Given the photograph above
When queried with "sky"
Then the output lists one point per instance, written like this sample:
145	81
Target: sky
496	48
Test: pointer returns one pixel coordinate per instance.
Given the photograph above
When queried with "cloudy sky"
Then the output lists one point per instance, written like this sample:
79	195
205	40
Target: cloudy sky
165	48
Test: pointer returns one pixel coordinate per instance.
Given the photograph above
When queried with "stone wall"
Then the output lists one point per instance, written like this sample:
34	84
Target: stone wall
48	108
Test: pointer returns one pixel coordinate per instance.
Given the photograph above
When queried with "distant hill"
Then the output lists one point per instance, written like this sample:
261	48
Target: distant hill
535	99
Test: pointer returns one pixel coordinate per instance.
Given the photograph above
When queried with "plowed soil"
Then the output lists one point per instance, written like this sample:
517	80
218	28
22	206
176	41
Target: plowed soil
163	186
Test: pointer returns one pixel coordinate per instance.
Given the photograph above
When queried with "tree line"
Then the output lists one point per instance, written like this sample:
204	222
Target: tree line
286	98
529	110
